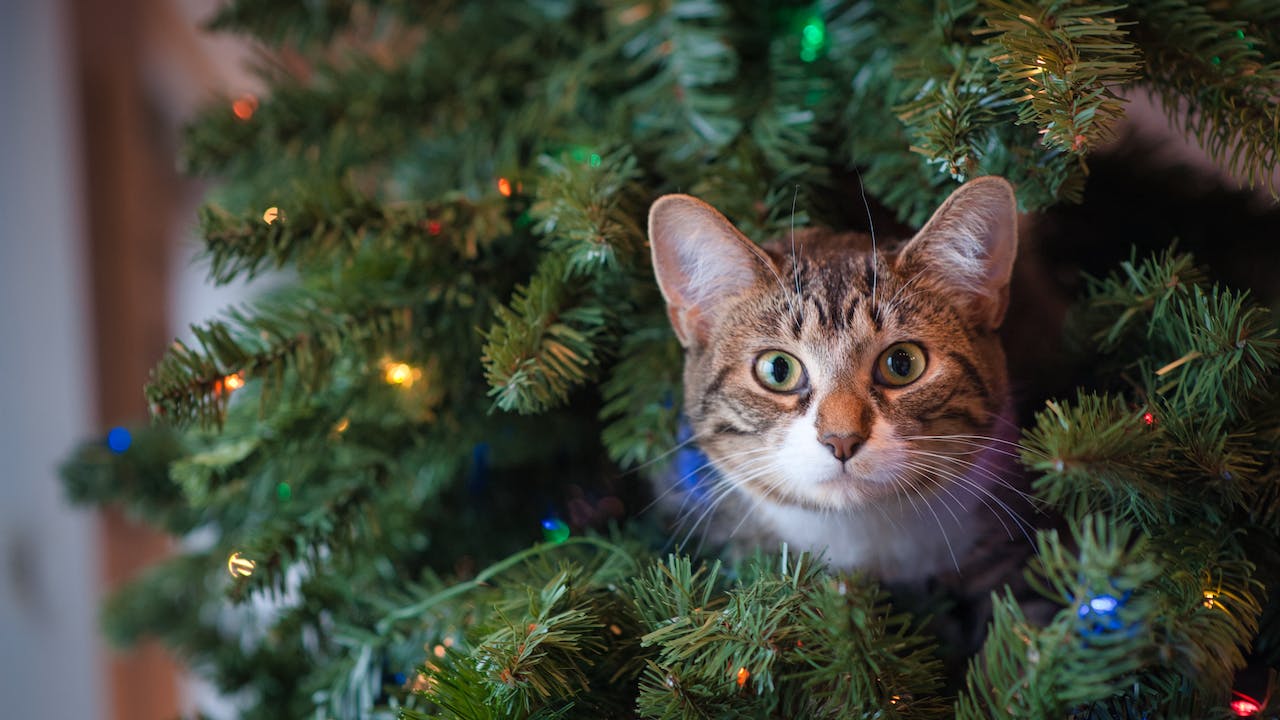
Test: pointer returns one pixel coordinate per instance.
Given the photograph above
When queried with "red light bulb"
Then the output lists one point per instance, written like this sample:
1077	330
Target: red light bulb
1245	706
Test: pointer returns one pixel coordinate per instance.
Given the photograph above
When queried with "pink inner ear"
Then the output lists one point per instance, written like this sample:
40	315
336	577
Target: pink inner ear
968	246
700	261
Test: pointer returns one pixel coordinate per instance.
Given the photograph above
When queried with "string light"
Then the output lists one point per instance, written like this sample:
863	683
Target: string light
634	14
244	107
422	683
271	214
813	38
342	425
1245	706
743	675
554	530
1149	418
438	651
119	440
402	374
434	227
504	187
240	566
228	383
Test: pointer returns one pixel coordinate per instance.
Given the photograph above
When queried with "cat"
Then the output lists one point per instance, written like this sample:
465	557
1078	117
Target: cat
850	396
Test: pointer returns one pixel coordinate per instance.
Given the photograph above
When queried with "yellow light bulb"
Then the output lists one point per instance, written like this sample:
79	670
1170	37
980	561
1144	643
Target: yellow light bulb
240	566
398	374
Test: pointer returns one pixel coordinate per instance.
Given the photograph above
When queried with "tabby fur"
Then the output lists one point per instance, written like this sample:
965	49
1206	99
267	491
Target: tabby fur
931	480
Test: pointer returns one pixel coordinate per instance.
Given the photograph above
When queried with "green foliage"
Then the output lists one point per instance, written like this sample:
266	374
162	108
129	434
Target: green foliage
642	396
1134	636
368	150
782	639
1178	450
1197	359
1216	78
542	346
461	188
1070	57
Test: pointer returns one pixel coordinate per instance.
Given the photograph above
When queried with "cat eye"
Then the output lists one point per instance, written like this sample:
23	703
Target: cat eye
902	364
780	372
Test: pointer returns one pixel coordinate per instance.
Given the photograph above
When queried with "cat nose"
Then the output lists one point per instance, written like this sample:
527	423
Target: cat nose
842	446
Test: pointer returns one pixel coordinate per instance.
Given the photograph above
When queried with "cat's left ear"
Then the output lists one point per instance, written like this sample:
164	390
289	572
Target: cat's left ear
968	247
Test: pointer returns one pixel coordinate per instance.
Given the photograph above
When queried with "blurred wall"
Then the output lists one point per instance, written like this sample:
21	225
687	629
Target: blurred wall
96	276
48	573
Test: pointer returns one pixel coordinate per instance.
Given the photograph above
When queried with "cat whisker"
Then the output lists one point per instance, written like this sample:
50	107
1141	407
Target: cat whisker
894	299
978	440
721	489
945	537
940	486
771	485
719	492
969	482
1005	422
871	228
666	454
970	465
884	513
904	285
682	482
795	261
979	492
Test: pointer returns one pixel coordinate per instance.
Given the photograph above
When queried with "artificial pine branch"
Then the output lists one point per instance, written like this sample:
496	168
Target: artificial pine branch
1069	58
545	344
950	121
956	102
1229	352
587	212
298	333
787	639
281	22
312	234
682	57
137	480
1215	84
1092	649
1141	292
862	657
641	395
367	568
1097	455
325	120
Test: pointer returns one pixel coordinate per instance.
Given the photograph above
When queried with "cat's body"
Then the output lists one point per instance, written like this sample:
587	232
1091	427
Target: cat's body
852	401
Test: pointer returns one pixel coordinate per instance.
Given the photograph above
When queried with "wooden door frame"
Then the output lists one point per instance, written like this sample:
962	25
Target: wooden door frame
130	188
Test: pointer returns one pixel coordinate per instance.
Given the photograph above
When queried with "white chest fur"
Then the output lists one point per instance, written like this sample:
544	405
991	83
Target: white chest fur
897	542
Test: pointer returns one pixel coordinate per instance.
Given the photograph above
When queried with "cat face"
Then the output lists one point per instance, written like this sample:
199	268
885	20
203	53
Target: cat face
832	376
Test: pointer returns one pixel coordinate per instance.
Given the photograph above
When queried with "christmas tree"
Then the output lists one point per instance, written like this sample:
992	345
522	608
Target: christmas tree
412	483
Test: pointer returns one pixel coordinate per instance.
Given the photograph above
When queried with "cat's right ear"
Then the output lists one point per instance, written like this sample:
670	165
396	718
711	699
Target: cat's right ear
700	260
